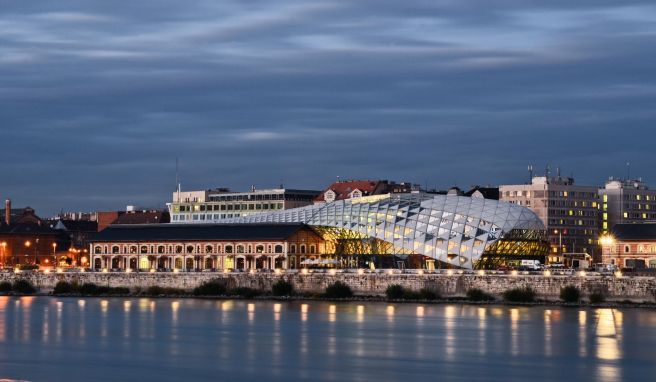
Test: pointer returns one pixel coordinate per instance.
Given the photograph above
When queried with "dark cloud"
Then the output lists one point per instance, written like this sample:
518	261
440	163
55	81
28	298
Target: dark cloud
98	99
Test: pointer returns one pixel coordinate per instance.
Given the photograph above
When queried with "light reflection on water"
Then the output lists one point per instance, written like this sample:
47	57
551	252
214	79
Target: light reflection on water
178	339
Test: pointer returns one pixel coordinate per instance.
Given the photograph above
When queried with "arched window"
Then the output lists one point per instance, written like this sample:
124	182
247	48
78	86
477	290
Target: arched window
228	249
278	248
190	249
269	248
115	249
259	249
302	248
161	249
209	249
97	249
144	249
627	249
133	249
292	248
178	249
240	249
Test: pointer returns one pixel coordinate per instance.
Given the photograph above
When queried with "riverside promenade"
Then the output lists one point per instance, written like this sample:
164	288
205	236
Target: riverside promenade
447	284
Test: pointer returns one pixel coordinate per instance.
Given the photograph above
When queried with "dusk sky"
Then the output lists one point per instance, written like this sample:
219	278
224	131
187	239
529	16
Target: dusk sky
98	98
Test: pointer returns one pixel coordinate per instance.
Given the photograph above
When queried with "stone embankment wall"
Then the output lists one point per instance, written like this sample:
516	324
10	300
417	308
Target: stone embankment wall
638	289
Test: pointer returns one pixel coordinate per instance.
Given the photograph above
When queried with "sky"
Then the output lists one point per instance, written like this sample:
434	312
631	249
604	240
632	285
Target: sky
98	98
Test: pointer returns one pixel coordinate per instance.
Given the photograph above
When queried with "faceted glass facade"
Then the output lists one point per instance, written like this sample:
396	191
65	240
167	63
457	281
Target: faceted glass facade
456	230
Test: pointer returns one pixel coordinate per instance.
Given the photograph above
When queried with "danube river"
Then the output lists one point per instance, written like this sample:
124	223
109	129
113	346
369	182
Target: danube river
133	339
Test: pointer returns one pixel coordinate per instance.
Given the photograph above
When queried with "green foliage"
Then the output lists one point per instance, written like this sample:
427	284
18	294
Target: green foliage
28	267
282	288
5	287
428	294
338	290
162	291
23	287
525	294
395	292
211	288
475	294
570	293
597	297
244	292
63	287
89	289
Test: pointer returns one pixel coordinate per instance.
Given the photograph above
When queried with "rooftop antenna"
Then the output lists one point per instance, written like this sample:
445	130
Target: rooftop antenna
547	171
558	171
530	173
628	170
177	179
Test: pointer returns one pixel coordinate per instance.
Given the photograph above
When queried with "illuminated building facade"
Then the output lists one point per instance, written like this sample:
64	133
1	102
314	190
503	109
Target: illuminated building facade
626	201
570	213
451	230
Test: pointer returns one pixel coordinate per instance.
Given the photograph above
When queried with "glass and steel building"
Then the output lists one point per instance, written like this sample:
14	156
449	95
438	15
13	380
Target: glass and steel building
451	230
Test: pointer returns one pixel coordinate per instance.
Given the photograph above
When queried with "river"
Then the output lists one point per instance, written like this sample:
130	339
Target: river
141	339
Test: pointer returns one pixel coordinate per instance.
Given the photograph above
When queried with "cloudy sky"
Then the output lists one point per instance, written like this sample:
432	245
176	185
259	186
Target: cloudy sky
98	98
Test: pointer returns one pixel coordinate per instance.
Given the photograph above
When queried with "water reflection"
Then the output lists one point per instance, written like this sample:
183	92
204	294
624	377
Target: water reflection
320	341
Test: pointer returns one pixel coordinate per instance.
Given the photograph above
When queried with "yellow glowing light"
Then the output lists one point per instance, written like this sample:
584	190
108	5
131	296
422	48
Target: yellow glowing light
481	273
176	270
129	270
449	272
389	272
304	271
152	270
547	273
420	272
46	271
607	240
361	271
514	273
227	270
278	271
105	270
332	271
582	274
618	274
59	270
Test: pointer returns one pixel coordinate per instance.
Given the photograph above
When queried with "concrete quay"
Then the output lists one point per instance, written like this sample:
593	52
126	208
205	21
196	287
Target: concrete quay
633	288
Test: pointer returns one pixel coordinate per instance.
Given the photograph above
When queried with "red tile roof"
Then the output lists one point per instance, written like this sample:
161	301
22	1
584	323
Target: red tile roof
342	189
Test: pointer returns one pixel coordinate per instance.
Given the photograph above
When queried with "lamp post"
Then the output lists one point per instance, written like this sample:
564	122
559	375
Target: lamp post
36	251
27	247
54	255
3	245
560	242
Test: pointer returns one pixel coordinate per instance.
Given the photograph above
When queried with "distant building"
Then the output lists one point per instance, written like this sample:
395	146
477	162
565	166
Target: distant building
626	201
205	246
132	216
25	239
569	211
630	245
483	192
78	231
350	189
213	205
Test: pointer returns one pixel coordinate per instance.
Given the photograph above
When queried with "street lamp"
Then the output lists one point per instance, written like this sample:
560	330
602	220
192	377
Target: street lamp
54	254
3	245
27	247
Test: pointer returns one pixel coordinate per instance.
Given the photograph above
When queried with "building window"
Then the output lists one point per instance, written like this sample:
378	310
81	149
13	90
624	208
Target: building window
240	249
278	249
133	249
292	248
259	249
208	249
627	249
302	248
228	249
115	249
97	249
178	249
144	249
190	249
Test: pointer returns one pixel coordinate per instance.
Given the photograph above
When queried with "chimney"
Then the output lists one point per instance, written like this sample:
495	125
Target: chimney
8	211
